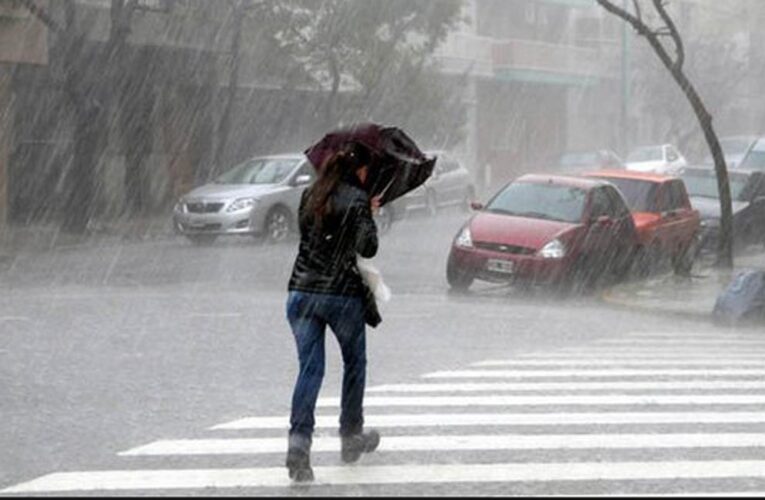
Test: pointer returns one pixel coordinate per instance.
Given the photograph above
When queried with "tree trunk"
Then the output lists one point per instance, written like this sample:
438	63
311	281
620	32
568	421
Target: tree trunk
79	186
224	128
725	242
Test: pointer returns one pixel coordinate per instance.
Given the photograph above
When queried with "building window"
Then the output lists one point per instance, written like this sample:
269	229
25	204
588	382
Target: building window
530	13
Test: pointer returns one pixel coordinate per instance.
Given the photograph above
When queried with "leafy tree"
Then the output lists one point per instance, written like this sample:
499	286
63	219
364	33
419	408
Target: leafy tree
381	52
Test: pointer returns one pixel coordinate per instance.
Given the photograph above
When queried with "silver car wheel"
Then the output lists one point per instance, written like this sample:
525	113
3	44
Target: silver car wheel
278	225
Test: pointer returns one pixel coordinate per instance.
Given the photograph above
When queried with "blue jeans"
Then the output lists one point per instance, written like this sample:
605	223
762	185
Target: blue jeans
309	314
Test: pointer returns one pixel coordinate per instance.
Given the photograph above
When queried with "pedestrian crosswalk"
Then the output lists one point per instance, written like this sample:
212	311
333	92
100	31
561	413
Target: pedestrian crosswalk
681	413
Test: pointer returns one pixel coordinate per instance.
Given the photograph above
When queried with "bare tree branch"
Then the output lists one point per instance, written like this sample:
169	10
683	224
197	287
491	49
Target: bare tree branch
638	13
675	67
661	8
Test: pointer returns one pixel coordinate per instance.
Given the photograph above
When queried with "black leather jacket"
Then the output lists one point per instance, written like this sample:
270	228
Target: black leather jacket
326	260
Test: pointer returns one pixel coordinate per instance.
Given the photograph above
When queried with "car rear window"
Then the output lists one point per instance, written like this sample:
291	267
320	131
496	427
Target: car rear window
540	201
640	195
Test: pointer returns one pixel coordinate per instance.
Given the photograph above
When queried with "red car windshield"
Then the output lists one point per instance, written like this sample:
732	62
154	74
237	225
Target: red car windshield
540	201
640	195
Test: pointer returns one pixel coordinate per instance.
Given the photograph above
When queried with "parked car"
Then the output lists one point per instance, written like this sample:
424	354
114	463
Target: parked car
576	162
661	159
735	149
545	229
258	197
755	158
450	184
667	225
747	189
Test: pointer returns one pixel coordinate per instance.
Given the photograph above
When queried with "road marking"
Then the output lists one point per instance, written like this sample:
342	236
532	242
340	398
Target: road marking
255	446
608	400
623	362
622	354
595	372
490	419
573	386
14	318
682	342
114	480
678	352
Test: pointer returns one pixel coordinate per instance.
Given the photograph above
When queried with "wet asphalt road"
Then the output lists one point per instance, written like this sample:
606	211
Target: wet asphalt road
115	345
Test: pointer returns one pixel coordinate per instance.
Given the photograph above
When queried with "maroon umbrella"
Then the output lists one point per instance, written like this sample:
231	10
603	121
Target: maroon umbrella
398	166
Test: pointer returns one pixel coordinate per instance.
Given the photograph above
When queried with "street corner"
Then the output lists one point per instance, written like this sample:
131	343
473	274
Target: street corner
691	297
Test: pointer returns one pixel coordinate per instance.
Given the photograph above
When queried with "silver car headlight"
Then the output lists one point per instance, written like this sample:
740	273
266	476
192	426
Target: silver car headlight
180	206
464	239
553	250
242	204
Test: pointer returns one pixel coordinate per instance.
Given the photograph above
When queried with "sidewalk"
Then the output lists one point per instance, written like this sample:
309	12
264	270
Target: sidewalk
688	297
46	237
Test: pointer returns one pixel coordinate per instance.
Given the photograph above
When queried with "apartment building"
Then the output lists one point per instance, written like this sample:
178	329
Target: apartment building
544	78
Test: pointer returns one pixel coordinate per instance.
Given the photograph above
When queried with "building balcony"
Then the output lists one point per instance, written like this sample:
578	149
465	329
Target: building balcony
527	60
23	38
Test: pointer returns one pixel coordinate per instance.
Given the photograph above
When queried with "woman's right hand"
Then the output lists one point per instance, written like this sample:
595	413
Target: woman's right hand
374	204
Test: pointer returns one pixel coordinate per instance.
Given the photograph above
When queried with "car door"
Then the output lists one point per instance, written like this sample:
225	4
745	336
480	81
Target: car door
596	245
679	222
675	160
434	186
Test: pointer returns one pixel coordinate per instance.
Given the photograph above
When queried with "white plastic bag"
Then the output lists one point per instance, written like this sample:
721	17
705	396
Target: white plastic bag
373	278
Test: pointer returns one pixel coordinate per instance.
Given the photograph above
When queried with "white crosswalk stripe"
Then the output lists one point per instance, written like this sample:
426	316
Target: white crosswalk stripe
461	442
697	396
438	420
392	474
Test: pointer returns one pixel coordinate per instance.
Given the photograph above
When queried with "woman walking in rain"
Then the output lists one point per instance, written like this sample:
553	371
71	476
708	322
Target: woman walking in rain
326	289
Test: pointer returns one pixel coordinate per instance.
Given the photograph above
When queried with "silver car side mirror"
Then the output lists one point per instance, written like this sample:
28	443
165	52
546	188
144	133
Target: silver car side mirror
302	180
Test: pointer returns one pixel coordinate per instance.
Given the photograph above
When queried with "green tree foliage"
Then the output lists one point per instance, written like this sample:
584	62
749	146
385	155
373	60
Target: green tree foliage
375	60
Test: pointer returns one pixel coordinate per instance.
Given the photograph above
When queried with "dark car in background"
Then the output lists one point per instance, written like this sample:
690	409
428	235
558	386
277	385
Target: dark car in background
735	150
545	229
666	223
747	189
755	158
451	184
577	161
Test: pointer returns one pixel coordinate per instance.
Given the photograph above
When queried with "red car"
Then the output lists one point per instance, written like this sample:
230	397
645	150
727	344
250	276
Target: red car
667	225
545	229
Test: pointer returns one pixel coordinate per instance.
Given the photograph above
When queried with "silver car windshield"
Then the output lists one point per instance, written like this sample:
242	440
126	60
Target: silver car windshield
259	171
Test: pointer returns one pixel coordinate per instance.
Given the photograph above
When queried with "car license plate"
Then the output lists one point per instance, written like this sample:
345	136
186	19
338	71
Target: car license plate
500	266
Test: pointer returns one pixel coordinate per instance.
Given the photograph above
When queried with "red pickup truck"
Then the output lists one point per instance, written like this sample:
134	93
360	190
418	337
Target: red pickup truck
666	224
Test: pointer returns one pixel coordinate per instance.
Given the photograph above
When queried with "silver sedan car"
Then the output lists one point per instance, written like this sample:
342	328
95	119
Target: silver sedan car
258	197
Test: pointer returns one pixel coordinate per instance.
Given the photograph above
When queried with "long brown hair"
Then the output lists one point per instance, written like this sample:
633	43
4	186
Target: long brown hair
341	166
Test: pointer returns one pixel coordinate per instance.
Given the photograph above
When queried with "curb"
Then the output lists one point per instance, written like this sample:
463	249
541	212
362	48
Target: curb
608	297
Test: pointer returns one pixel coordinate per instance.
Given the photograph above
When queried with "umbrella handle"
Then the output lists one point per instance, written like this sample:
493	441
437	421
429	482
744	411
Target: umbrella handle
385	189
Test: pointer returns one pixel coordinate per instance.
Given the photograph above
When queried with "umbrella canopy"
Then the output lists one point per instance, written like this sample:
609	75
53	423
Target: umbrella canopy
398	166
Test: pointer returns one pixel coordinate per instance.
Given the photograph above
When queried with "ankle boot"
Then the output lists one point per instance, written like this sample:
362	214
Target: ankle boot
356	444
299	458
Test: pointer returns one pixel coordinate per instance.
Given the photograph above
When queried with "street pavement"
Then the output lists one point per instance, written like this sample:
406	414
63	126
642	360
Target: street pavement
161	368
